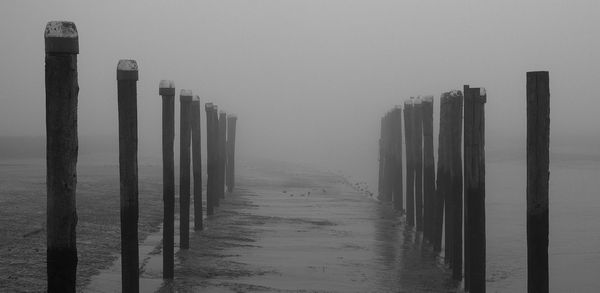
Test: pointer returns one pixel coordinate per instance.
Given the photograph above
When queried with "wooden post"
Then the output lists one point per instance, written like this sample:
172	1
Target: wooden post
410	174
230	172
456	181
390	175
418	165
428	167
441	206
127	76
61	46
397	135
167	91
222	152
209	159
197	163
538	138
446	176
185	127
475	99
215	155
381	160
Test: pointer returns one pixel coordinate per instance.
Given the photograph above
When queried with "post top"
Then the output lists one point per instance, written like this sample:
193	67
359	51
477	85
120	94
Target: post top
222	113
408	102
417	101
398	107
232	116
127	69
482	91
208	106
428	99
166	84
61	37
196	98
186	93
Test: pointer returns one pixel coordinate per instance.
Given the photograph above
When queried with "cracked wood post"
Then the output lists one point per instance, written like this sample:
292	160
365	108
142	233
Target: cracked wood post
197	163
456	182
410	179
398	200
475	100
428	167
167	91
418	165
538	138
209	159
442	181
62	89
230	172
185	126
127	76
222	144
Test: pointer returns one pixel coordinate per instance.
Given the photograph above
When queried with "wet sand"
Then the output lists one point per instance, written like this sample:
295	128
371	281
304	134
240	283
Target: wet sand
271	235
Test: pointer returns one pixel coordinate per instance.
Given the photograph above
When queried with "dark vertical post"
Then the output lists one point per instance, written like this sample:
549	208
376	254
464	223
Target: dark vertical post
446	177
538	138
381	160
167	91
215	155
210	159
61	46
467	147
127	76
410	179
441	204
230	173
475	99
456	182
428	167
185	128
418	165
197	162
389	158
222	152
398	186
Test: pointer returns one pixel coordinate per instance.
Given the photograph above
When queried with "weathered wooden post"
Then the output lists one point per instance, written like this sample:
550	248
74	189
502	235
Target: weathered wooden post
389	171
185	127
446	175
197	162
418	163
381	160
222	152
456	182
61	46
538	138
210	168
443	173
410	174
230	173
215	156
475	99
397	135
167	91
127	76
428	167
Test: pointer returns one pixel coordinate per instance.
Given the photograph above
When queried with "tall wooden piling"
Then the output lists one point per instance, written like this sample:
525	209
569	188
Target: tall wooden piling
456	182
127	76
197	162
474	151
222	143
398	200
167	91
62	89
538	138
185	128
210	162
381	160
428	167
410	174
443	174
230	172
418	162
389	171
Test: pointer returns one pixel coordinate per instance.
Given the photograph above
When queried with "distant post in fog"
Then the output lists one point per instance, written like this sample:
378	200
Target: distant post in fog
184	167
418	161
222	152
210	162
397	137
410	169
230	173
61	46
197	162
127	76
443	174
167	91
428	167
456	182
538	138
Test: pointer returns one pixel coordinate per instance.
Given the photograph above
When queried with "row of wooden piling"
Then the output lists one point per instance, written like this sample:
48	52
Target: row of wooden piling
453	205
61	42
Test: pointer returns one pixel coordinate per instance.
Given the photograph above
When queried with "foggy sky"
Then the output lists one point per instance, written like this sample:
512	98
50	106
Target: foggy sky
309	79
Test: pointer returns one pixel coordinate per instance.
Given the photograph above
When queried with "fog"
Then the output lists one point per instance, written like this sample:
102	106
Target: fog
309	80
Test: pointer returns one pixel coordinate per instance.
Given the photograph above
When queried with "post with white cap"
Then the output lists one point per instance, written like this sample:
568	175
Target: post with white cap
127	76
230	172
167	91
410	175
184	167
475	99
210	206
538	139
61	46
222	152
197	163
418	165
428	167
